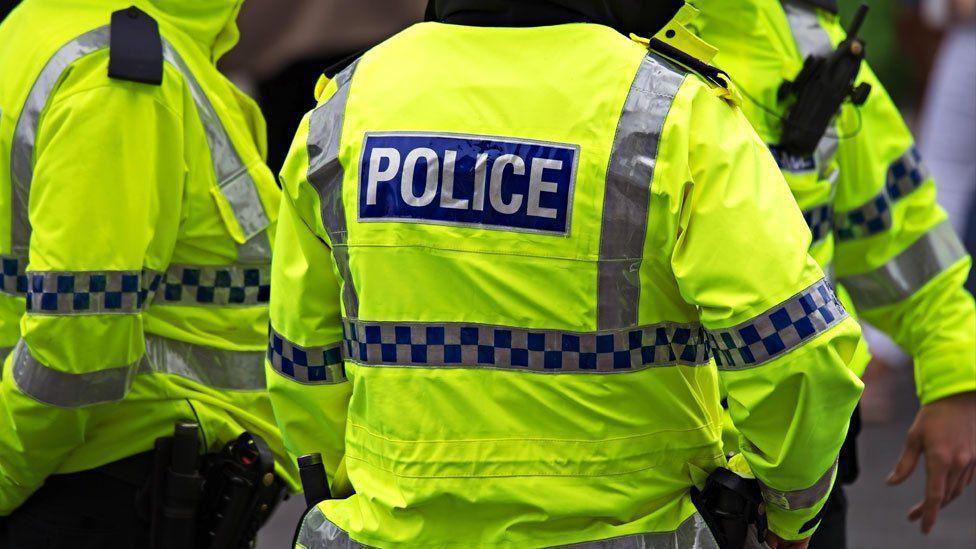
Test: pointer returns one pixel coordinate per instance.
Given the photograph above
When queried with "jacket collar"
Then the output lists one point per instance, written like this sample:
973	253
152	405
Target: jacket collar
211	24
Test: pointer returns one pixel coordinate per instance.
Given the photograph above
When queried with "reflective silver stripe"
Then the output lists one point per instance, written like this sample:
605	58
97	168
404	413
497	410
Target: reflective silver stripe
318	532
627	195
214	368
905	175
800	499
325	173
232	176
13	275
225	285
812	39
233	179
25	133
90	292
311	365
483	346
904	275
67	390
779	330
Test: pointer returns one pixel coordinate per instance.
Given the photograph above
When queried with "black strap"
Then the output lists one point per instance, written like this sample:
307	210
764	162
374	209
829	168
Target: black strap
713	74
135	47
828	5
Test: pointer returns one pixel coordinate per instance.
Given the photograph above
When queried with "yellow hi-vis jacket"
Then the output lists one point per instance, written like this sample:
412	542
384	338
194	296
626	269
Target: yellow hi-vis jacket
502	258
866	195
135	220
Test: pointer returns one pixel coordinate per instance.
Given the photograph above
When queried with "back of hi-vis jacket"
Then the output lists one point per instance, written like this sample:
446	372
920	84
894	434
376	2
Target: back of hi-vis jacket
135	232
503	257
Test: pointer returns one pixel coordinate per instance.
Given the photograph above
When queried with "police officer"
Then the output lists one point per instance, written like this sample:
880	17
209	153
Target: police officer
870	203
513	247
137	215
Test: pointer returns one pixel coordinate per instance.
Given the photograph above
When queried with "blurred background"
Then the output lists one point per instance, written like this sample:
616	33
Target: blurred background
923	50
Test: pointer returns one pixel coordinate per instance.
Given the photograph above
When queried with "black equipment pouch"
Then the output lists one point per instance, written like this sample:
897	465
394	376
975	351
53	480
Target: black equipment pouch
135	50
240	492
214	501
729	504
820	88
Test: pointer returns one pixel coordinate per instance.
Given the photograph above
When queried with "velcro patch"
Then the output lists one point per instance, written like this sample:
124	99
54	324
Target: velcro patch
468	180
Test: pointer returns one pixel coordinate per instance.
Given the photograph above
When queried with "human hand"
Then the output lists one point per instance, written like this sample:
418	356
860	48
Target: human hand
945	431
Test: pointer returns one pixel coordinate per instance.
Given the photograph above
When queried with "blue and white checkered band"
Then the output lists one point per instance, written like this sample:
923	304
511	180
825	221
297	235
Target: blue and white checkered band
779	330
90	292
905	175
789	162
468	180
222	286
820	219
314	365
461	345
14	280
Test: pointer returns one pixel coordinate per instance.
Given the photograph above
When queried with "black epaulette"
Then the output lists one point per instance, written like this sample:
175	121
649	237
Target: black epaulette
135	47
712	74
828	5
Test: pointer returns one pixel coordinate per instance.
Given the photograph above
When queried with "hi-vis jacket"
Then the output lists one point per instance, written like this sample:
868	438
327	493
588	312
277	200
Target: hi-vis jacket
136	225
866	195
502	257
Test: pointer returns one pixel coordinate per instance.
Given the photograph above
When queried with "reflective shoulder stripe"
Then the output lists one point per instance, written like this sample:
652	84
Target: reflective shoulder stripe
908	272
906	174
318	532
90	292
233	179
325	174
214	368
811	38
67	390
779	330
25	133
627	190
483	346
800	499
226	285
311	365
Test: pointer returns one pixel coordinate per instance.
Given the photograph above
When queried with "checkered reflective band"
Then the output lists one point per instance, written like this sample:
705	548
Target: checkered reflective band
778	330
224	285
313	365
89	292
14	280
820	219
905	175
463	345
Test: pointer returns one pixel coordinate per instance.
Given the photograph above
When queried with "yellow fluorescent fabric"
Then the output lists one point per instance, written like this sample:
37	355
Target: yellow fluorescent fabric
121	184
474	453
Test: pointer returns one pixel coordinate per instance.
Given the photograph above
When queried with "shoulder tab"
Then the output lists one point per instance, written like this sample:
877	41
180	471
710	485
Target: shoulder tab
135	47
716	76
826	5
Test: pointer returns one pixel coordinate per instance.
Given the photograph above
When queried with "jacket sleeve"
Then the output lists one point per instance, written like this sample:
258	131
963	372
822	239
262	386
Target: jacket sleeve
104	209
306	377
896	253
780	338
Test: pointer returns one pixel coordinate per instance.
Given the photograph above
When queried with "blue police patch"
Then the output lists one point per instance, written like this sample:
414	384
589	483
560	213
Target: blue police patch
468	180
